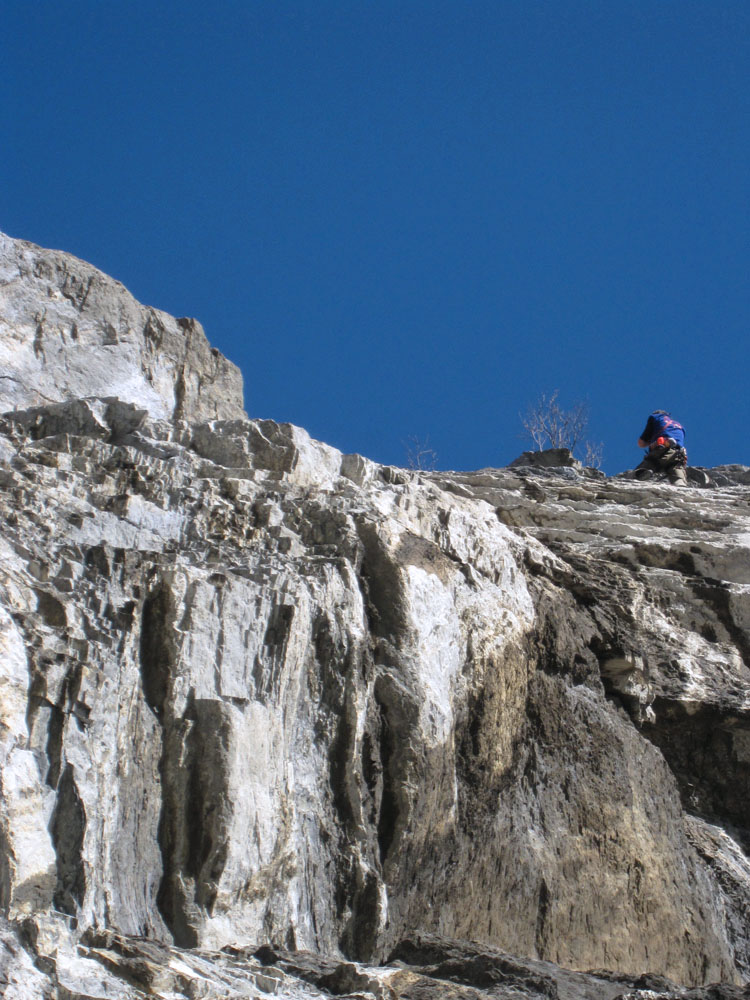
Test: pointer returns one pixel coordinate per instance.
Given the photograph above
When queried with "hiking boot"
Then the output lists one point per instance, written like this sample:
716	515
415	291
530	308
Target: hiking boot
678	476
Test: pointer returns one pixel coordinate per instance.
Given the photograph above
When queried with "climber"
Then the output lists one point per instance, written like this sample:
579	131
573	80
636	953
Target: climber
665	439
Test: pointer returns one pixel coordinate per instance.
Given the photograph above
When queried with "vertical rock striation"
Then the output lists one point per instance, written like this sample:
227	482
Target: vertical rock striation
257	692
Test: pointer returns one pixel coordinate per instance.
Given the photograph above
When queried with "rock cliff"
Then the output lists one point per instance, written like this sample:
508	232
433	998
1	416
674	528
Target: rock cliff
275	719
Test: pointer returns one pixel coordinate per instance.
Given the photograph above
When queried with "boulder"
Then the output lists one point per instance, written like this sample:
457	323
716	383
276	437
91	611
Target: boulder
547	458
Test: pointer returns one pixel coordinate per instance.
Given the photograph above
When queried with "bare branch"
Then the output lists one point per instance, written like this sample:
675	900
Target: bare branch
550	426
419	454
593	454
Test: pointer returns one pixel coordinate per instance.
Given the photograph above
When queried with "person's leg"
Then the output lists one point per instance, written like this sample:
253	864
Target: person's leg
677	475
670	463
646	469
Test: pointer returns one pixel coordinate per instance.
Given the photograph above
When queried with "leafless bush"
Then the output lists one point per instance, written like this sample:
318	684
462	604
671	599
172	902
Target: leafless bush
550	426
593	454
419	454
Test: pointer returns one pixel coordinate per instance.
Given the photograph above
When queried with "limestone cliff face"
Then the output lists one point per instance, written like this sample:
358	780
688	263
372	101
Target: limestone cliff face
68	331
257	692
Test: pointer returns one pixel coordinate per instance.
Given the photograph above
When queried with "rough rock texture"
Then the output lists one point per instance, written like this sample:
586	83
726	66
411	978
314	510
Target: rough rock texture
67	331
549	458
275	719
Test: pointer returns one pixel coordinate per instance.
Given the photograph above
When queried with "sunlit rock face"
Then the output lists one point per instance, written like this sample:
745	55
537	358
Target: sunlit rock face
257	692
68	331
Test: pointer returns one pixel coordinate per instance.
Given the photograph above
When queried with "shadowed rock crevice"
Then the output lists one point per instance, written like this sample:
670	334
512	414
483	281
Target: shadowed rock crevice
332	681
5	868
58	713
388	812
708	751
68	827
717	595
541	918
339	760
157	652
361	936
55	731
268	668
382	586
398	759
196	810
51	609
565	631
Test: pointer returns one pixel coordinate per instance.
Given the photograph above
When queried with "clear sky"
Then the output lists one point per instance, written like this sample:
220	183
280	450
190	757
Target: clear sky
410	217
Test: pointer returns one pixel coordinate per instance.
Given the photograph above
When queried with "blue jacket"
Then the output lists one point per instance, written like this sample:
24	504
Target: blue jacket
663	425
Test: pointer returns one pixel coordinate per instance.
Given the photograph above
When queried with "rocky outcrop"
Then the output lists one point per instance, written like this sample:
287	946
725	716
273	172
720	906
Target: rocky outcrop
277	719
68	331
548	458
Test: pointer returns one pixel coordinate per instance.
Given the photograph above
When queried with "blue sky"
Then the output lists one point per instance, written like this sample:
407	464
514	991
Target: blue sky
410	218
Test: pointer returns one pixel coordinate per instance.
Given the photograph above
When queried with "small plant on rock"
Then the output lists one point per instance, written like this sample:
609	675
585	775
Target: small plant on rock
419	454
549	425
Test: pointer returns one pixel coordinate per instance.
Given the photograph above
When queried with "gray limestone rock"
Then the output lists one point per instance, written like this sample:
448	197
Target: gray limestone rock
279	720
547	458
68	331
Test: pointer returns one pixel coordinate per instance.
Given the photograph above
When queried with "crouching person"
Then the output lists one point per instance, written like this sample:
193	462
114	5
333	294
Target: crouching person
665	439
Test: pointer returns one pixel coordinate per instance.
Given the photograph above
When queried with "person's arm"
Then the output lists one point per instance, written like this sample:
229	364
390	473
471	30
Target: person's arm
647	436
